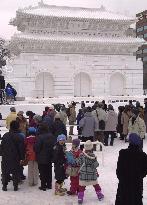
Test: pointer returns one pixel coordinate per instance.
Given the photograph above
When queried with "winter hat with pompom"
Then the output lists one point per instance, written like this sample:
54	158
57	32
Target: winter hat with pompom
134	139
32	130
76	142
57	116
88	145
61	137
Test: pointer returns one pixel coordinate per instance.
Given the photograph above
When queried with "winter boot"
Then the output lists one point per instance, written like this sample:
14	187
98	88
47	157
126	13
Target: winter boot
4	188
62	189
80	197
100	195
42	188
70	193
15	187
58	191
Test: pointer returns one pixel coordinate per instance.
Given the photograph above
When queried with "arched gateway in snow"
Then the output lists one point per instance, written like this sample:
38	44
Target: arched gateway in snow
82	85
44	85
117	84
69	40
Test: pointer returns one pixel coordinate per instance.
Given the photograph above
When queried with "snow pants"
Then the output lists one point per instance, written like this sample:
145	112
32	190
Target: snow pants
74	184
33	173
96	187
45	171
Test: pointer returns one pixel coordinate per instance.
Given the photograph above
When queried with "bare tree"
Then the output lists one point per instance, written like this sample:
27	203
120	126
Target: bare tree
4	52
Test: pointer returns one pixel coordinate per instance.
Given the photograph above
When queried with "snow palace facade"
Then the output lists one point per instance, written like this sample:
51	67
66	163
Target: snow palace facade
69	51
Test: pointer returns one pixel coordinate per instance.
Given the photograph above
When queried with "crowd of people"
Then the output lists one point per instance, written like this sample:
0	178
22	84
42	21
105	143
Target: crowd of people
40	142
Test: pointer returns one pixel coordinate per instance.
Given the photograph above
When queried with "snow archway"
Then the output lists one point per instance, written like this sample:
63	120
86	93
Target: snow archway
44	85
117	84
82	85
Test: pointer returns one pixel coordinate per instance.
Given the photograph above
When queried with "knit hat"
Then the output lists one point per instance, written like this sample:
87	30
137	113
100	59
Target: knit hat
20	113
76	142
57	116
32	130
51	107
134	139
12	109
37	117
88	145
61	137
110	107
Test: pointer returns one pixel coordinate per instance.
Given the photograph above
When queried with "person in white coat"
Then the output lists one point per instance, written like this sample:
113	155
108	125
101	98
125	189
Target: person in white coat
99	115
111	125
137	125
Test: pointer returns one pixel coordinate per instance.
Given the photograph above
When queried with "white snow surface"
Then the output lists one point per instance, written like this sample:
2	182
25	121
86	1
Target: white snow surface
107	178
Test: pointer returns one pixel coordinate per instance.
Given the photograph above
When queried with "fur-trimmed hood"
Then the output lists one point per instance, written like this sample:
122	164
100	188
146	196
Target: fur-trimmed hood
89	155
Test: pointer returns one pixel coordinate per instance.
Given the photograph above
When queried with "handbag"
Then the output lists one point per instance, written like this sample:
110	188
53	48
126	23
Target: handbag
72	171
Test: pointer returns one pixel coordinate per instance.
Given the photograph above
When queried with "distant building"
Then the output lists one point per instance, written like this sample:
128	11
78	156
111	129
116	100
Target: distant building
68	51
141	32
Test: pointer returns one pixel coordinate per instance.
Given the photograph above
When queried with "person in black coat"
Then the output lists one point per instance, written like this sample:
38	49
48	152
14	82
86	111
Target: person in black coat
79	117
59	160
58	127
120	125
48	119
131	169
44	154
13	153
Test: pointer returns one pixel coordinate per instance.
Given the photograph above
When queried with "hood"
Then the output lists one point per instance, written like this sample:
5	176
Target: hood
89	158
89	155
31	139
88	114
112	112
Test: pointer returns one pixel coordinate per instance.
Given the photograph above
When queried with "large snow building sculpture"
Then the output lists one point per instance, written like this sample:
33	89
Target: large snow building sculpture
71	51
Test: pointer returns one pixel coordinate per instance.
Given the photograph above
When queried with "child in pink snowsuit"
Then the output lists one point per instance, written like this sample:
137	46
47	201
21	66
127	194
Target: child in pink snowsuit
74	180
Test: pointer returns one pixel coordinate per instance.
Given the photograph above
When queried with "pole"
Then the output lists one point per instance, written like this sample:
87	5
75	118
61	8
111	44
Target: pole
43	84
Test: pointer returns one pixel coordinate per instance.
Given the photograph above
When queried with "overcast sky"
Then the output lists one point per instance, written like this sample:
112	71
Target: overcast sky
9	7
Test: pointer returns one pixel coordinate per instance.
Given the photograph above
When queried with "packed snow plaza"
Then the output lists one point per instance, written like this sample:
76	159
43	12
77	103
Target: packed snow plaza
68	51
78	85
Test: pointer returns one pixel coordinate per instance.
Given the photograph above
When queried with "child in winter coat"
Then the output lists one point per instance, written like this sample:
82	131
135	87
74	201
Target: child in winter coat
59	160
74	180
33	172
88	173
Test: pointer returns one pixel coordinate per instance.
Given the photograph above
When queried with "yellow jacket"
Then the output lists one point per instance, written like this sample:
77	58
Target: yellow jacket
12	116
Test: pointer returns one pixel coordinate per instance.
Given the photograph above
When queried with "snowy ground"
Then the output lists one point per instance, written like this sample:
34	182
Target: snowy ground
108	180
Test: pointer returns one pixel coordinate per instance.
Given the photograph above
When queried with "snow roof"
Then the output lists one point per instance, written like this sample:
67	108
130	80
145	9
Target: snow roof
73	12
61	38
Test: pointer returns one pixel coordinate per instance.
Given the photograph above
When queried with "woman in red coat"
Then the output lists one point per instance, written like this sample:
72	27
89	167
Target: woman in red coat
33	172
